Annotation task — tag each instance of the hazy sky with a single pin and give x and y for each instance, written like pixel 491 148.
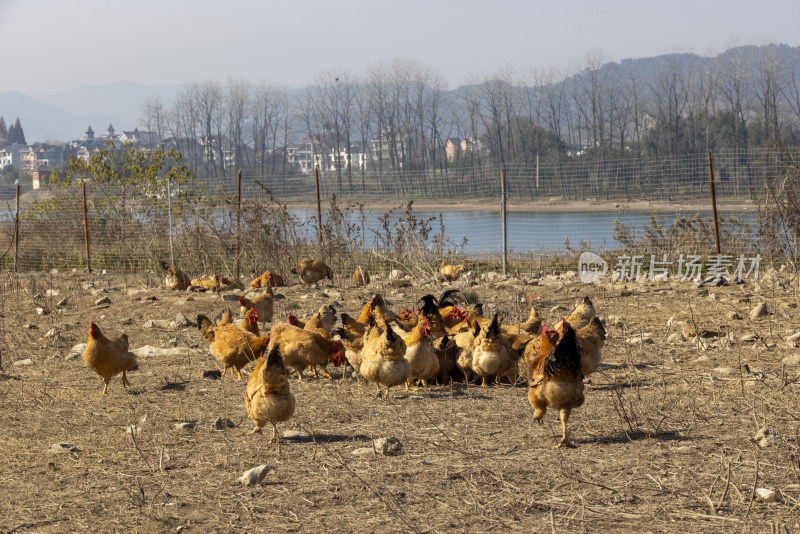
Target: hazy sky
pixel 47 46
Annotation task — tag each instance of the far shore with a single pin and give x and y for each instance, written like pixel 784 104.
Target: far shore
pixel 551 206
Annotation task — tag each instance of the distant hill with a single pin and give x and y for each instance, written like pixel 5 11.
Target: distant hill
pixel 64 116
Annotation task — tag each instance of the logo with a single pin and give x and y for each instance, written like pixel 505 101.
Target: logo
pixel 591 267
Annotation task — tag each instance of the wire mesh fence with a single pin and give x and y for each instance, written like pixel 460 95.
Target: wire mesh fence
pixel 382 219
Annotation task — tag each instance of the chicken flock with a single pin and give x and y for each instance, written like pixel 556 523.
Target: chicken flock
pixel 442 340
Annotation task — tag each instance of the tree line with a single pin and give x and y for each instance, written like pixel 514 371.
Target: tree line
pixel 747 97
pixel 11 135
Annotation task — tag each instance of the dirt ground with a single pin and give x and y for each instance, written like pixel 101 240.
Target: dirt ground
pixel 665 438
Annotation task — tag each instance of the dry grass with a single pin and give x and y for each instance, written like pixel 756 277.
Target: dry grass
pixel 664 440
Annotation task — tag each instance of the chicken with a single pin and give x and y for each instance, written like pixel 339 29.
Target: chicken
pixel 294 321
pixel 406 320
pixel 491 352
pixel 450 273
pixel 250 322
pixel 421 354
pixel 227 284
pixel 580 316
pixel 234 347
pixel 206 284
pixel 383 362
pixel 263 304
pixel 323 321
pixel 354 326
pixel 556 380
pixel 268 396
pixel 267 279
pixel 312 271
pixel 517 343
pixel 378 309
pixel 428 307
pixel 354 342
pixel 305 348
pixel 108 357
pixel 360 277
pixel 447 353
pixel 590 334
pixel 464 343
pixel 175 278
pixel 591 339
pixel 540 344
pixel 532 326
pixel 457 318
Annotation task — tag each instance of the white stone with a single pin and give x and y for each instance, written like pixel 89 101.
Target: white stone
pixel 794 359
pixel 60 448
pixel 76 351
pixel 793 337
pixel 390 446
pixel 149 351
pixel 759 310
pixel 766 437
pixel 296 435
pixel 254 476
pixel 647 337
pixel 766 495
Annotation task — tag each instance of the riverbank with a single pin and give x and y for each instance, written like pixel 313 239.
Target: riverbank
pixel 550 206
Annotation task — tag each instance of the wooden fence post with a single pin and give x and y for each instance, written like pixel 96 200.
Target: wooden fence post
pixel 86 229
pixel 713 202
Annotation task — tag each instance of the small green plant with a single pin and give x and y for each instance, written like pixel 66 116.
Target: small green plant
pixel 470 296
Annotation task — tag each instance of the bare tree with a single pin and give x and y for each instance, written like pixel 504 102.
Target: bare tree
pixel 270 117
pixel 767 89
pixel 590 93
pixel 184 124
pixel 237 103
pixel 155 120
pixel 209 103
pixel 735 91
pixel 364 126
pixel 668 102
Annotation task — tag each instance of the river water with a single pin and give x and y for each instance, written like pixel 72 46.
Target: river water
pixel 480 231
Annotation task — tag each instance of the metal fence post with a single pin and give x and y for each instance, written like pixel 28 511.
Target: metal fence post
pixel 503 219
pixel 238 219
pixel 169 215
pixel 319 207
pixel 86 229
pixel 16 234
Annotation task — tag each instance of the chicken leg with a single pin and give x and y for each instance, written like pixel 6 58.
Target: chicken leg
pixel 565 442
pixel 275 437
